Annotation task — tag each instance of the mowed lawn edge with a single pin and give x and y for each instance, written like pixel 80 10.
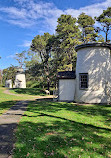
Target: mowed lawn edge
pixel 28 91
pixel 64 130
pixel 7 100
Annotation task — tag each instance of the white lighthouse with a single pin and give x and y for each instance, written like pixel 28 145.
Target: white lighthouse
pixel 20 80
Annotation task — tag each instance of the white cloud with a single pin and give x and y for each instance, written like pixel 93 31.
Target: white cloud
pixel 28 13
pixel 26 44
pixel 22 1
pixel 12 56
pixel 92 10
pixel 14 12
pixel 24 24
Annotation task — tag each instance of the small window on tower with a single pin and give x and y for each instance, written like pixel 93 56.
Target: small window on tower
pixel 83 79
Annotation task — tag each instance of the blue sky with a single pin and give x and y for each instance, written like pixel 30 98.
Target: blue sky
pixel 22 20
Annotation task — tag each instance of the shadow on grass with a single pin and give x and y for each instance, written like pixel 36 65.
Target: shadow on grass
pixel 46 133
pixel 92 110
pixel 6 105
pixel 60 139
pixel 29 91
pixel 85 124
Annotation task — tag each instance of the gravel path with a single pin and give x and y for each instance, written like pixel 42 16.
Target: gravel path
pixel 8 124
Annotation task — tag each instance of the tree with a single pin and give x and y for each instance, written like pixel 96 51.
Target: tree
pixel 86 23
pixel 1 77
pixel 100 38
pixel 56 60
pixel 105 20
pixel 21 58
pixel 9 73
pixel 39 45
pixel 1 74
pixel 68 34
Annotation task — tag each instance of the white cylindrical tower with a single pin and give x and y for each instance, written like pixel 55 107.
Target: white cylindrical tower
pixel 93 73
pixel 8 83
pixel 20 80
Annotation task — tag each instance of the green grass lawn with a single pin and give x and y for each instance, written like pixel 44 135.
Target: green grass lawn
pixel 28 91
pixel 64 130
pixel 6 100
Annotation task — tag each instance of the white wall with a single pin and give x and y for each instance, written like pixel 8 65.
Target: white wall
pixel 66 89
pixel 8 83
pixel 95 61
pixel 20 81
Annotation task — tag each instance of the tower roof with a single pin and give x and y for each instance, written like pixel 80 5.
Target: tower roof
pixel 93 45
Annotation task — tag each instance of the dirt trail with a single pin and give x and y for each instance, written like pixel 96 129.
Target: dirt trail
pixel 8 92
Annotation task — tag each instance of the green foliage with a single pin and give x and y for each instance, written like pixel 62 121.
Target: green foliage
pixel 39 45
pixel 61 46
pixel 105 20
pixel 30 83
pixel 9 73
pixel 1 78
pixel 52 53
pixel 21 57
pixel 101 39
pixel 49 54
pixel 86 22
pixel 35 84
pixel 69 35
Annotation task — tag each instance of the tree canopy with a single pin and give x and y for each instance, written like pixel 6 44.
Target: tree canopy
pixel 105 20
pixel 39 45
pixel 69 35
pixel 86 23
pixel 9 73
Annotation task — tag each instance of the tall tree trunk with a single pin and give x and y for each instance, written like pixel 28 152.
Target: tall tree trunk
pixel 106 36
pixel 48 79
pixel 107 30
pixel 48 84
